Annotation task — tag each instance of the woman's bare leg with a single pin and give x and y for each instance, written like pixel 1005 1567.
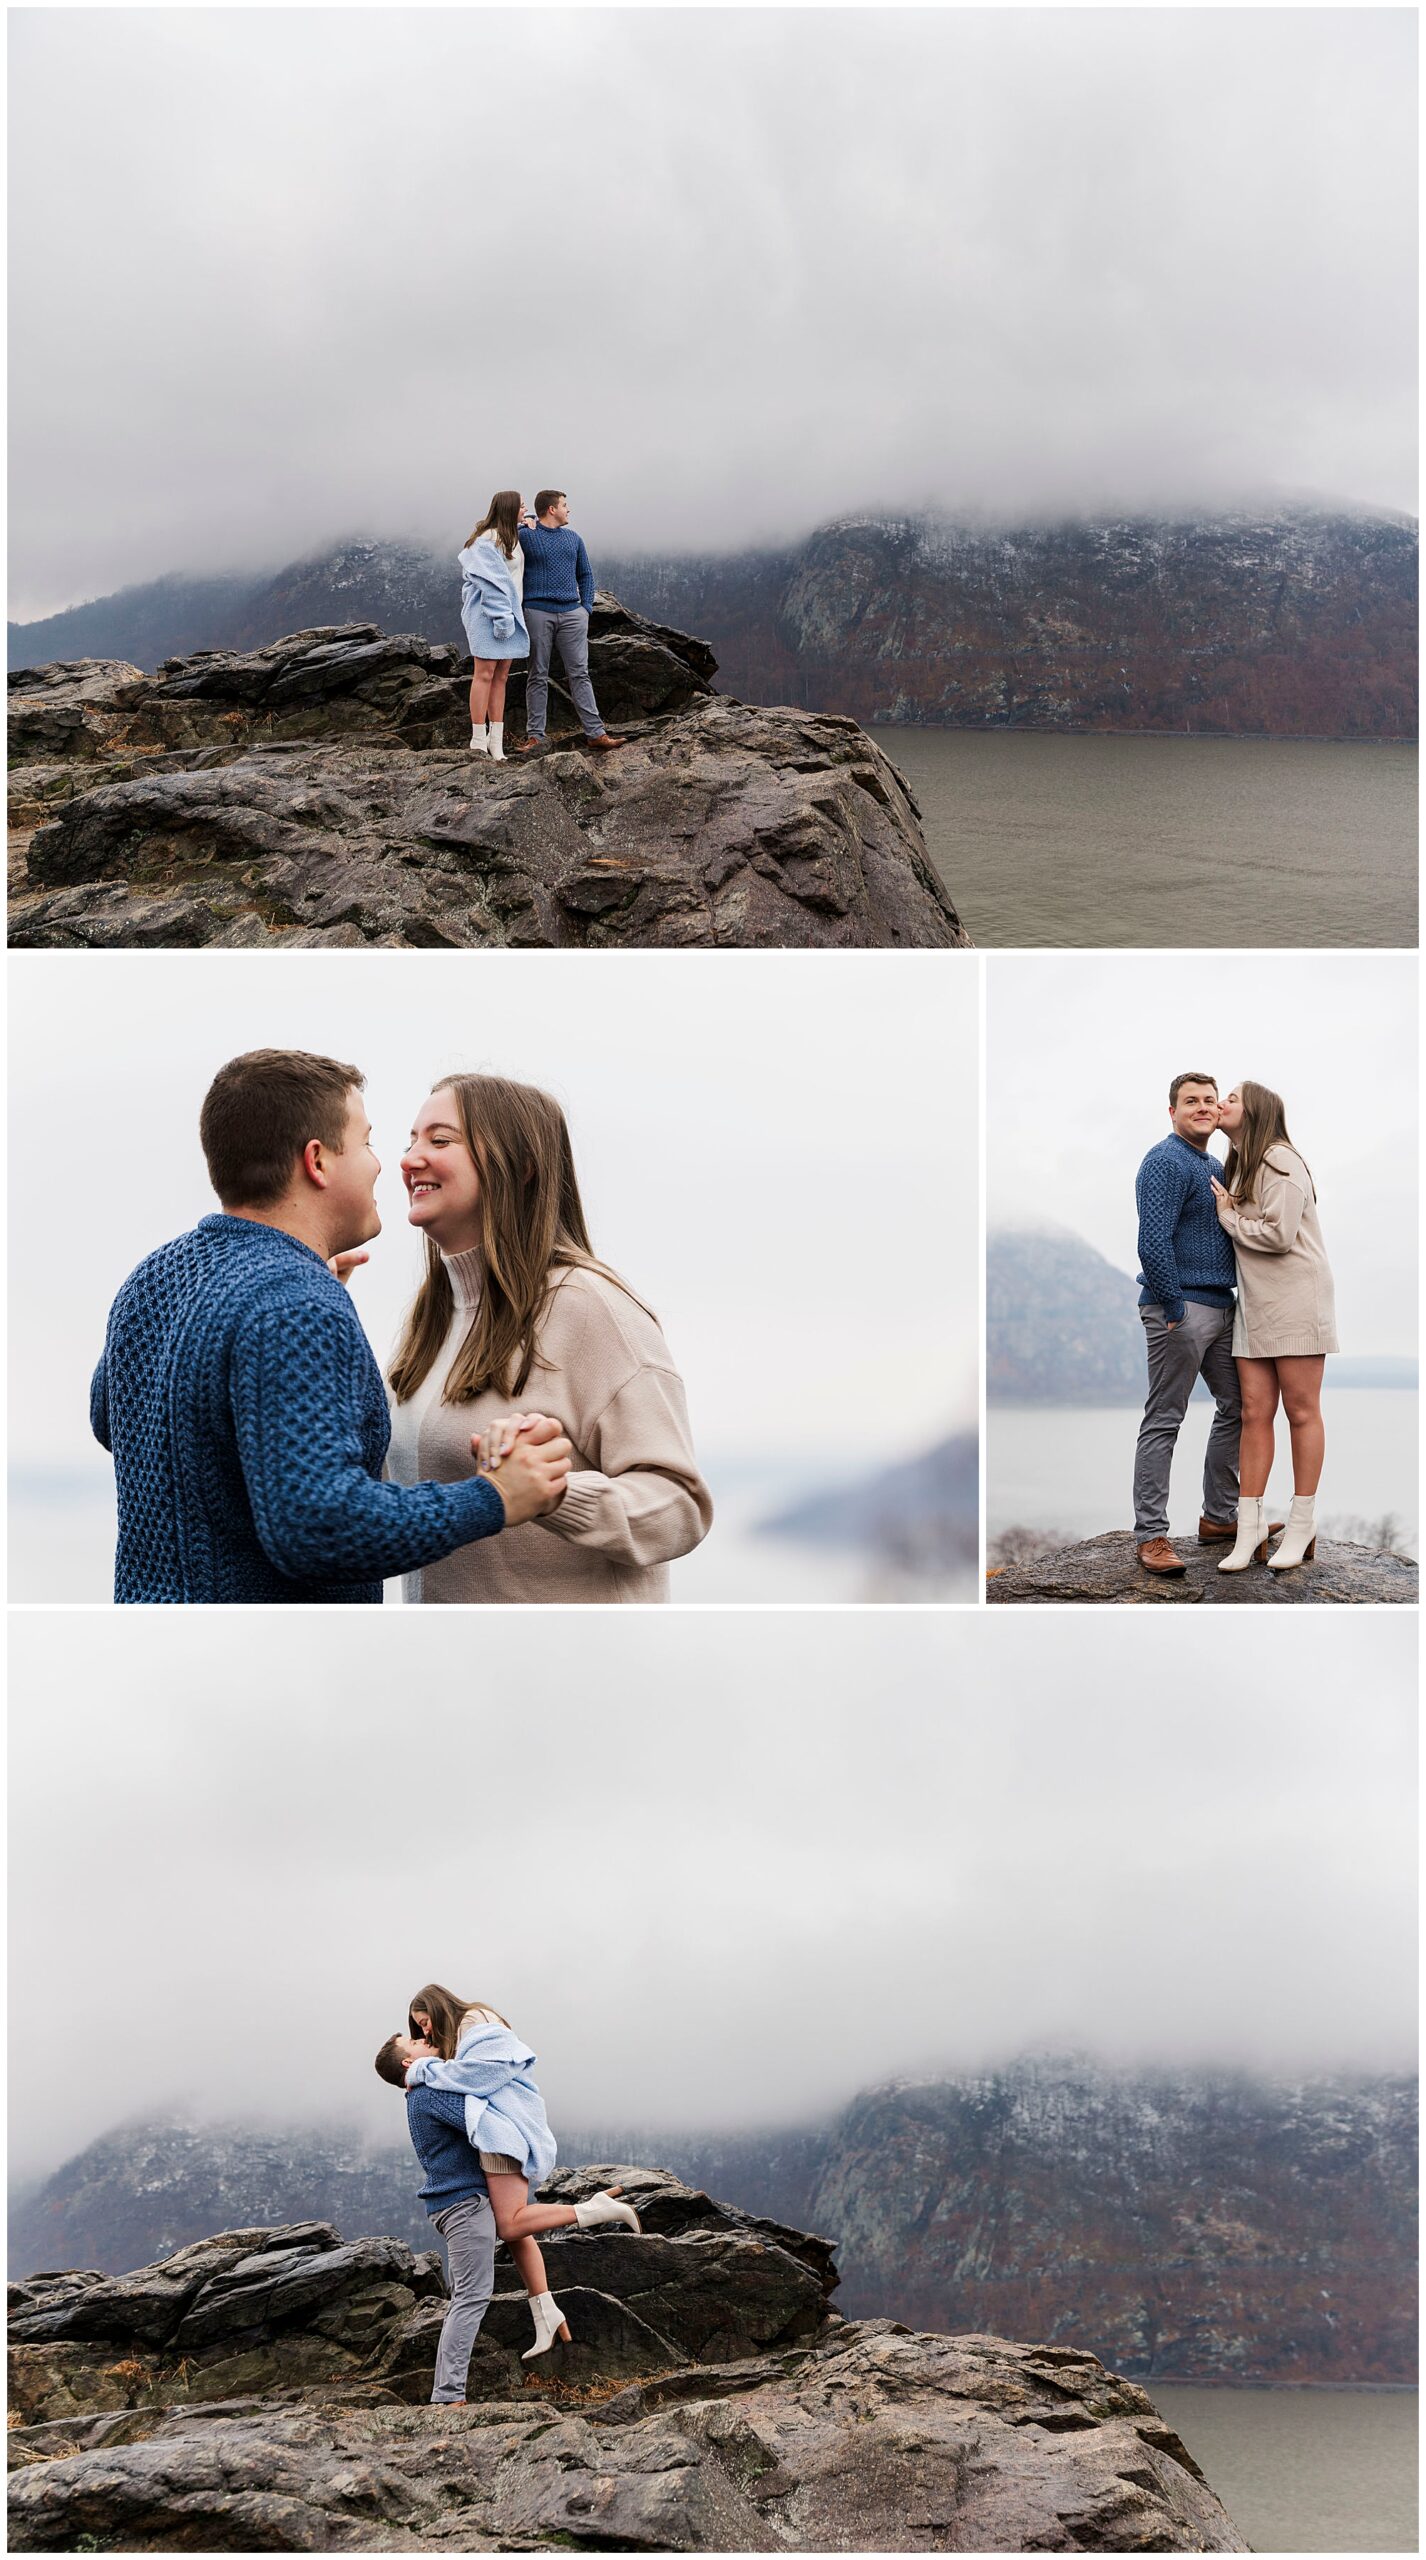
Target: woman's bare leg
pixel 1258 1387
pixel 1300 1379
pixel 517 2221
pixel 500 677
pixel 529 2265
pixel 480 683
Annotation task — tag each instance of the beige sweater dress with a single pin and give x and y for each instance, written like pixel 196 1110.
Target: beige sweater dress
pixel 635 1498
pixel 1286 1308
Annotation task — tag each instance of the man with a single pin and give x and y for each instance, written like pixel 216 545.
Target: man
pixel 1186 1306
pixel 457 2200
pixel 557 603
pixel 238 1393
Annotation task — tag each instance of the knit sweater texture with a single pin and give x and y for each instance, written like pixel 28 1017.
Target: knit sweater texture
pixel 1183 1251
pixel 1286 1302
pixel 558 577
pixel 248 1425
pixel 435 2120
pixel 635 1498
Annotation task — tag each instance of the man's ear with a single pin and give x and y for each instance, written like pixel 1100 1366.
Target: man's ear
pixel 314 1163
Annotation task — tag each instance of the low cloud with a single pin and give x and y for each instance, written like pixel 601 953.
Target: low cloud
pixel 722 1870
pixel 285 275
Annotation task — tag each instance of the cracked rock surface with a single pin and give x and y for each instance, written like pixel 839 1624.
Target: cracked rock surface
pixel 321 792
pixel 267 2390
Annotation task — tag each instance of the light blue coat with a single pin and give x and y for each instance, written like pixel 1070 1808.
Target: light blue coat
pixel 503 2108
pixel 490 608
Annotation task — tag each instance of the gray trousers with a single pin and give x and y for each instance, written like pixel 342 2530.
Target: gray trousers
pixel 1202 1342
pixel 468 2230
pixel 571 630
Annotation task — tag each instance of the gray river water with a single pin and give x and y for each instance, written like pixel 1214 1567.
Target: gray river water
pixel 1167 843
pixel 1304 2470
pixel 1069 1468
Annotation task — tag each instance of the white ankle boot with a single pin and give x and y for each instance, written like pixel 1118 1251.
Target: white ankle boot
pixel 496 734
pixel 1298 1543
pixel 478 746
pixel 550 2323
pixel 605 2207
pixel 1251 1544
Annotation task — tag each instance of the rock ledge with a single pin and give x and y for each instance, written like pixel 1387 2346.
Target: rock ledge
pixel 320 791
pixel 1107 1568
pixel 266 2390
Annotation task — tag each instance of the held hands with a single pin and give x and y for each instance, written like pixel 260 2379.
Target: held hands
pixel 530 1456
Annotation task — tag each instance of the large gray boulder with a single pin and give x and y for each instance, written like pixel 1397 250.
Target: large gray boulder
pixel 320 791
pixel 268 2390
pixel 1108 1568
pixel 873 2438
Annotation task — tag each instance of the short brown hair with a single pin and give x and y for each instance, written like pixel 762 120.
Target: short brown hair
pixel 389 2063
pixel 547 498
pixel 1194 1076
pixel 262 1110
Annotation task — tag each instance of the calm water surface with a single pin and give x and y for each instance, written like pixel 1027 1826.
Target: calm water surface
pixel 1229 843
pixel 1304 2470
pixel 1071 1470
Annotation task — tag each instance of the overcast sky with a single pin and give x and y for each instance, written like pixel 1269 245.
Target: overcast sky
pixel 721 273
pixel 777 1150
pixel 1081 1050
pixel 798 1856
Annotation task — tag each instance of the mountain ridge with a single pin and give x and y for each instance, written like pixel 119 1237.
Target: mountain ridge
pixel 1178 2222
pixel 1288 621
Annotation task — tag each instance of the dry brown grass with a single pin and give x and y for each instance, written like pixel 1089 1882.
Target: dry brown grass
pixel 589 2395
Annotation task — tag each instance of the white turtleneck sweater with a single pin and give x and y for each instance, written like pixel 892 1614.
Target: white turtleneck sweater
pixel 635 1498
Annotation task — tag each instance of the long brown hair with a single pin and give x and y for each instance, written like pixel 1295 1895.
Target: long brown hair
pixel 532 1227
pixel 502 518
pixel 445 2012
pixel 1264 1126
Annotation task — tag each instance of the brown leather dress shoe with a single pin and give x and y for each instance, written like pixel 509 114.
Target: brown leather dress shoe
pixel 1157 1556
pixel 604 741
pixel 1210 1531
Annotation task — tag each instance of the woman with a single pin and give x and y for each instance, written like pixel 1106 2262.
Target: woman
pixel 1285 1322
pixel 474 2051
pixel 515 1307
pixel 492 589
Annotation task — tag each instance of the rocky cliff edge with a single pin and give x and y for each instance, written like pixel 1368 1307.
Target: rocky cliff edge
pixel 267 2390
pixel 321 792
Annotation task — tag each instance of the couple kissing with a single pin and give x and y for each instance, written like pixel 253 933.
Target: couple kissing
pixel 1235 1287
pixel 478 2128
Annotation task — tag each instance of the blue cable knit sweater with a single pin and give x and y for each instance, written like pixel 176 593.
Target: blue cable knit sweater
pixel 435 2119
pixel 248 1424
pixel 1182 1248
pixel 558 577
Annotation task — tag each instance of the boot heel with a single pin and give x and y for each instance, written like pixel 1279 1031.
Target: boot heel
pixel 1260 1554
pixel 563 2332
pixel 1311 1552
